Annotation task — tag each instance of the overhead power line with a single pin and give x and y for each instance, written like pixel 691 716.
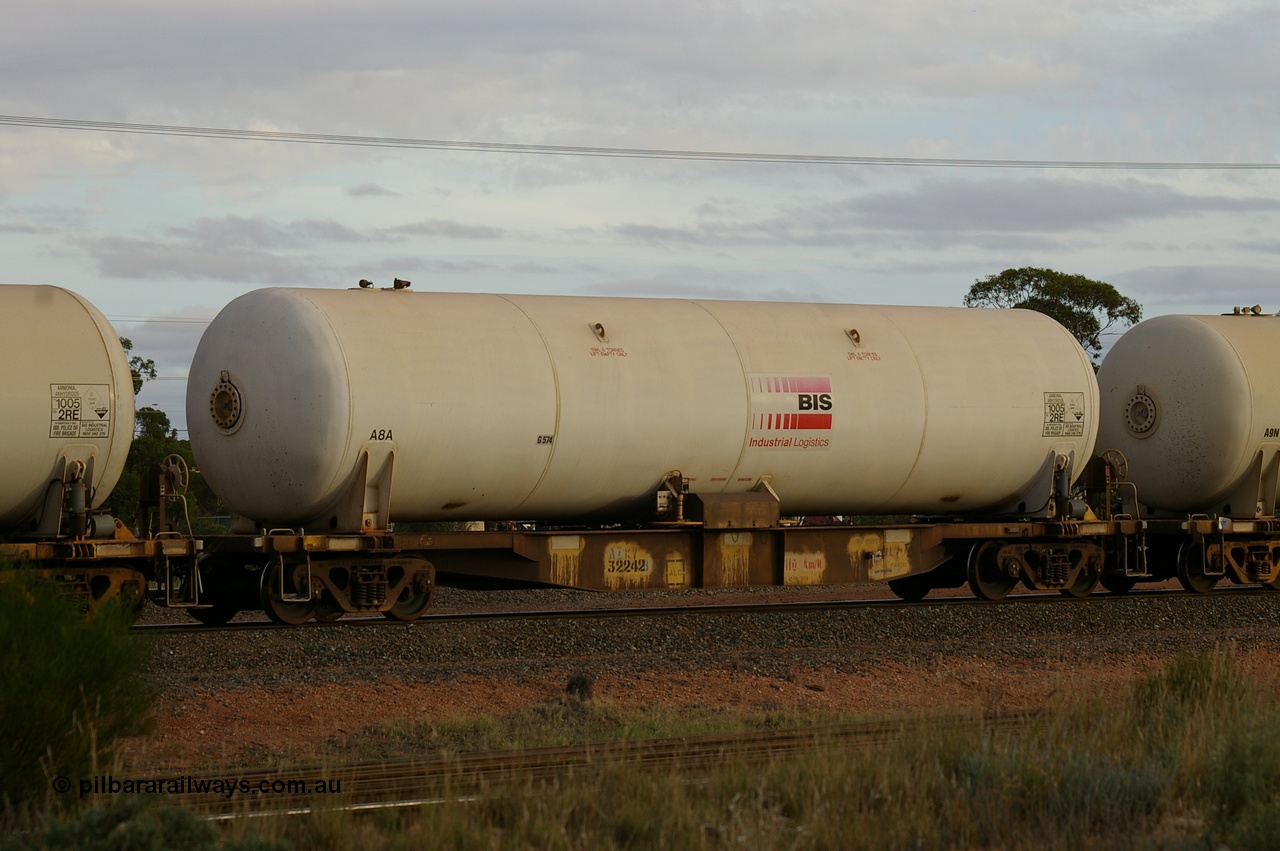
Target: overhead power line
pixel 172 320
pixel 594 151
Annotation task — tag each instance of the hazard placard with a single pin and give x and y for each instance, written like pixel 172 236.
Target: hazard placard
pixel 79 410
pixel 1064 415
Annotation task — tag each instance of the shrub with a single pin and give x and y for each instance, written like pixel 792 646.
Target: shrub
pixel 69 687
pixel 1243 806
pixel 1187 685
pixel 131 823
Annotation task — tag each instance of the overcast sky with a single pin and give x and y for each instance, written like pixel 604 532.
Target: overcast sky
pixel 160 227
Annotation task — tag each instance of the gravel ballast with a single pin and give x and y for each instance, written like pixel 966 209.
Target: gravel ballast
pixel 845 639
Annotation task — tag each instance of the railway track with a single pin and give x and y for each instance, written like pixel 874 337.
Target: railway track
pixel 247 695
pixel 398 784
pixel 602 612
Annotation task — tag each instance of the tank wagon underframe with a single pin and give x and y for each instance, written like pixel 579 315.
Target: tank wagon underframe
pixel 715 541
pixel 298 576
pixel 1046 556
pixel 94 571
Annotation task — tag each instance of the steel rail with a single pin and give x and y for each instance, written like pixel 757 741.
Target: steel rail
pixel 684 610
pixel 367 786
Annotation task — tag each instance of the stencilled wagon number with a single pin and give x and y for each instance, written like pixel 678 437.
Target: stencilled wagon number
pixel 68 408
pixel 627 565
pixel 546 439
pixel 626 560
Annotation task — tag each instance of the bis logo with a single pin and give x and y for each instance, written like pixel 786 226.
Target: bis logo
pixel 815 401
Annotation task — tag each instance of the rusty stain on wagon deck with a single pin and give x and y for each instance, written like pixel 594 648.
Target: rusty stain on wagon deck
pixel 735 558
pixel 566 559
pixel 866 553
pixel 885 553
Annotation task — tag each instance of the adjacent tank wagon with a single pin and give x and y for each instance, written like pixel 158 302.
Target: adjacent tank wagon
pixel 68 425
pixel 1191 420
pixel 68 413
pixel 1193 403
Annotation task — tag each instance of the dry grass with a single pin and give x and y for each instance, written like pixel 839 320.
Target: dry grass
pixel 1189 755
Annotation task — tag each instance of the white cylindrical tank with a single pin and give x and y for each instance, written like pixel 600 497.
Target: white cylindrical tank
pixel 540 407
pixel 1193 403
pixel 68 399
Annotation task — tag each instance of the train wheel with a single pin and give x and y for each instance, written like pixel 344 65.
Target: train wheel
pixel 1118 583
pixel 987 577
pixel 328 611
pixel 911 588
pixel 1086 581
pixel 271 591
pixel 215 615
pixel 1191 569
pixel 415 598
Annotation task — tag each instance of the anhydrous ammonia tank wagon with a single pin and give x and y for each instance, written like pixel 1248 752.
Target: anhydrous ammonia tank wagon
pixel 1193 404
pixel 340 409
pixel 68 412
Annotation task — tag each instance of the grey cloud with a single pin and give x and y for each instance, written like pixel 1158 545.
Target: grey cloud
pixel 1263 246
pixel 1221 287
pixel 696 286
pixel 1035 214
pixel 12 227
pixel 371 190
pixel 709 281
pixel 240 232
pixel 169 344
pixel 535 269
pixel 236 248
pixel 575 71
pixel 672 233
pixel 242 39
pixel 446 228
pixel 1228 56
pixel 676 287
pixel 148 259
pixel 1036 205
pixel 453 266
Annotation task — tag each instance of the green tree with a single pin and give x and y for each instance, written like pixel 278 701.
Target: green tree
pixel 154 439
pixel 142 369
pixel 1083 306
